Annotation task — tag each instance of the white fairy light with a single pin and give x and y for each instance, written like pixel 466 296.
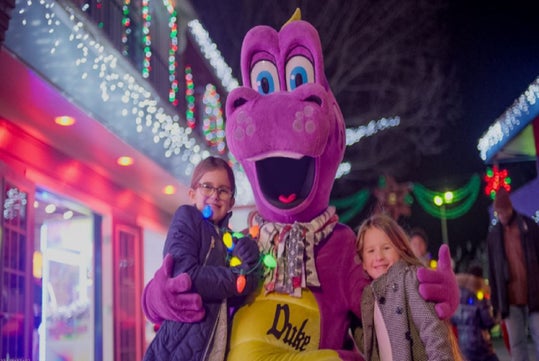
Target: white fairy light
pixel 210 51
pixel 343 169
pixel 354 135
pixel 512 120
pixel 114 83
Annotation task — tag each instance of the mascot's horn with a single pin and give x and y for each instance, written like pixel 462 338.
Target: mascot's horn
pixel 295 16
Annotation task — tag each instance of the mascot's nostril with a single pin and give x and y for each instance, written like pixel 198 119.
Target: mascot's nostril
pixel 239 102
pixel 314 99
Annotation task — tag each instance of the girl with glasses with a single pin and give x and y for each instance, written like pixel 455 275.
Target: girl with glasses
pixel 200 244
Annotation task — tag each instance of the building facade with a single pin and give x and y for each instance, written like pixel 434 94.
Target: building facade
pixel 82 230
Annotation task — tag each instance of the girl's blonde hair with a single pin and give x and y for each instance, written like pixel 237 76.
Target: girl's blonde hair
pixel 400 240
pixel 394 232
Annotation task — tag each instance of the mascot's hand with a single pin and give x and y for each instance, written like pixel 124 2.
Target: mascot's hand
pixel 246 249
pixel 166 298
pixel 440 285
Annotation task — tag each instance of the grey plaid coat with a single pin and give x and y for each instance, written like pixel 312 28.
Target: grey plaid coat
pixel 415 331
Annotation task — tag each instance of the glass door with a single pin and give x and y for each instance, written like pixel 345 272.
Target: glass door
pixel 66 248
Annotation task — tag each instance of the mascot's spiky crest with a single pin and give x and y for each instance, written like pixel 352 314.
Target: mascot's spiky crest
pixel 295 17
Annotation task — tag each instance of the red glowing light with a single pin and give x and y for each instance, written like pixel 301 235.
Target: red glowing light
pixel 496 179
pixel 240 283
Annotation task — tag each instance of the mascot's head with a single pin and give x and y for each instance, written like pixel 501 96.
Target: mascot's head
pixel 284 125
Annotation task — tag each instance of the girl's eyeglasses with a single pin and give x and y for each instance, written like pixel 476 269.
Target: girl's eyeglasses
pixel 207 190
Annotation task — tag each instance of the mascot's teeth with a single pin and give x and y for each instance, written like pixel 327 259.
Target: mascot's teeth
pixel 287 199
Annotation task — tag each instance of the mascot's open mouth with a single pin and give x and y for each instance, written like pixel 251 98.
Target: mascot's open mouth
pixel 285 182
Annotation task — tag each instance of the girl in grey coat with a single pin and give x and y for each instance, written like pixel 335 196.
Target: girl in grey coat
pixel 397 323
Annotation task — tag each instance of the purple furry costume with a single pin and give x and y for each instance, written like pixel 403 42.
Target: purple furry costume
pixel 286 129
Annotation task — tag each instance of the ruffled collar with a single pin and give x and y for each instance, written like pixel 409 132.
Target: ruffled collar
pixel 292 246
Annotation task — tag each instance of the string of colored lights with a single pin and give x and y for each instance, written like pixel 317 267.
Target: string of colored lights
pixel 146 38
pixel 126 26
pixel 172 50
pixel 99 7
pixel 190 98
pixel 213 124
pixel 137 101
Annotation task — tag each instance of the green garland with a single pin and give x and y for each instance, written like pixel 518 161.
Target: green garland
pixel 355 203
pixel 463 199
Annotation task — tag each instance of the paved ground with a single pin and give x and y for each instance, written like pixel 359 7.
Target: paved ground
pixel 502 353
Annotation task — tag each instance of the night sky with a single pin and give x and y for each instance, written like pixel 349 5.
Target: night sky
pixel 496 45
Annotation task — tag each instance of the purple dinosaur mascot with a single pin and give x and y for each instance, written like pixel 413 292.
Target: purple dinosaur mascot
pixel 286 129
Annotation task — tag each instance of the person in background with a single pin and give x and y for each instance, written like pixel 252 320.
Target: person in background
pixel 419 242
pixel 474 318
pixel 201 246
pixel 513 259
pixel 397 323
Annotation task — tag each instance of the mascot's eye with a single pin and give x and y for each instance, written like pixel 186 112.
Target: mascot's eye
pixel 264 77
pixel 299 71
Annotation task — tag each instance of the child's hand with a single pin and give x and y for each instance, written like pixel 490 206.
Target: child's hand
pixel 167 298
pixel 440 285
pixel 246 249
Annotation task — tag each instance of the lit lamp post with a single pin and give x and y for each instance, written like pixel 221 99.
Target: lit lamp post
pixel 441 202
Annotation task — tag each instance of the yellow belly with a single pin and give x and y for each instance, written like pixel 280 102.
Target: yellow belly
pixel 278 327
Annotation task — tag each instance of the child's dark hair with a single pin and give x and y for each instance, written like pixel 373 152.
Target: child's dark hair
pixel 212 163
pixel 416 231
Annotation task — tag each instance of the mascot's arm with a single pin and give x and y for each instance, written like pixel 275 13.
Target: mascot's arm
pixel 166 298
pixel 440 285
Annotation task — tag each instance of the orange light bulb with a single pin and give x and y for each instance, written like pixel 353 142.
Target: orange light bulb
pixel 240 283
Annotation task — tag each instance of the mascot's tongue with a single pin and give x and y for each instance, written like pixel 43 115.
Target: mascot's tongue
pixel 287 199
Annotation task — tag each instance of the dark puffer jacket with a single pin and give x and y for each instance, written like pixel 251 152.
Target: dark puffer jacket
pixel 198 249
pixel 474 319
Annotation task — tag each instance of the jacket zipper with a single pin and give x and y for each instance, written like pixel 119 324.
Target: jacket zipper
pixel 212 246
pixel 205 355
pixel 212 335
